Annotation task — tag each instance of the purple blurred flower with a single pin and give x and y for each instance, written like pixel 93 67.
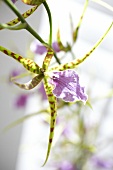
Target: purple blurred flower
pixel 67 131
pixel 21 100
pixel 42 91
pixel 65 165
pixel 40 49
pixel 105 164
pixel 56 47
pixel 14 1
pixel 66 86
pixel 37 48
pixel 14 73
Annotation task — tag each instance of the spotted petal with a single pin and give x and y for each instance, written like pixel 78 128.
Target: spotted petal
pixel 33 2
pixel 53 113
pixel 24 15
pixel 66 86
pixel 31 84
pixel 29 64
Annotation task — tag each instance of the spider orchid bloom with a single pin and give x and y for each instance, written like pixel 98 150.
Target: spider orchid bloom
pixel 40 49
pixel 66 86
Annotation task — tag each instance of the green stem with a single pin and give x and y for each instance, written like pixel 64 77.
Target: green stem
pixel 28 27
pixel 33 32
pixel 58 61
pixel 50 21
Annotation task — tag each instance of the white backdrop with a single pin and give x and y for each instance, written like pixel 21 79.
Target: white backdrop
pixel 94 25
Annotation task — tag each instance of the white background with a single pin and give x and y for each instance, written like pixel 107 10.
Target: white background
pixel 94 25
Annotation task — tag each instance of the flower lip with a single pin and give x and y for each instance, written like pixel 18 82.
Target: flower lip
pixel 66 86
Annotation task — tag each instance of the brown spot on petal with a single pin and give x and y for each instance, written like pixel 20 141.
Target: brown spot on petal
pixel 50 140
pixel 50 95
pixel 51 102
pixel 52 113
pixel 14 22
pixel 30 86
pixel 52 129
pixel 6 52
pixel 13 54
pixel 78 60
pixel 19 58
pixel 54 120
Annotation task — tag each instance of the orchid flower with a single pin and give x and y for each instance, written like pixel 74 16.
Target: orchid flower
pixel 63 82
pixel 60 81
pixel 66 86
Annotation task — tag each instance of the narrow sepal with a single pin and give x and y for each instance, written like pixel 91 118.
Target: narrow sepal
pixel 47 59
pixel 29 64
pixel 17 20
pixel 60 44
pixel 31 84
pixel 53 114
pixel 75 32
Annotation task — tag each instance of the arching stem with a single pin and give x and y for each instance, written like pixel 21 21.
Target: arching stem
pixel 50 21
